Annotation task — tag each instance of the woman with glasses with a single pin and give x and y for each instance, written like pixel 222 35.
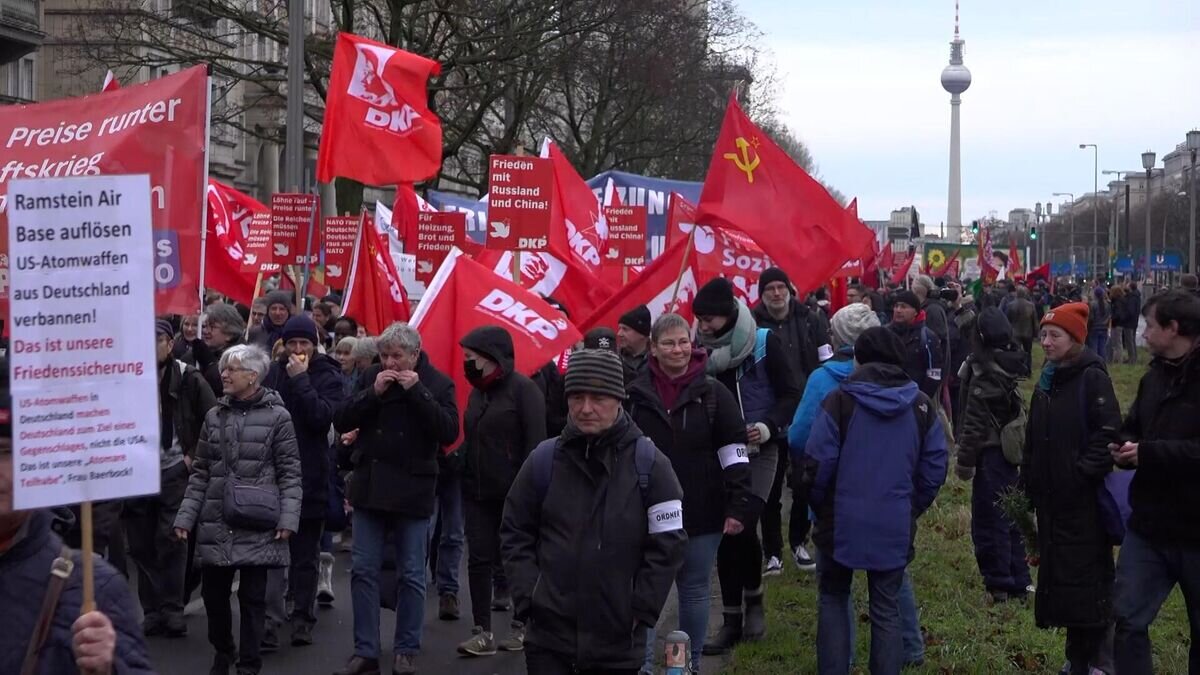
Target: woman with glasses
pixel 697 423
pixel 242 502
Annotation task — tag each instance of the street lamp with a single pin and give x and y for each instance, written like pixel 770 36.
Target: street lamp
pixel 1095 198
pixel 1123 177
pixel 1148 158
pixel 1193 145
pixel 1071 250
pixel 1037 217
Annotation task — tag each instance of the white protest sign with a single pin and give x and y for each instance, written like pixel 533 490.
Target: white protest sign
pixel 82 353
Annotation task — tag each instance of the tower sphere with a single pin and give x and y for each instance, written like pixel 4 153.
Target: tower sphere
pixel 956 79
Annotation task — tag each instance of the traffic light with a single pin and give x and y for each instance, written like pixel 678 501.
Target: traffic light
pixel 1033 232
pixel 974 227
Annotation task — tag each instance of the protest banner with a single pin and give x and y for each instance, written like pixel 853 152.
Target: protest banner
pixel 291 214
pixel 258 255
pixel 158 128
pixel 83 360
pixel 437 233
pixel 520 203
pixel 626 235
pixel 340 234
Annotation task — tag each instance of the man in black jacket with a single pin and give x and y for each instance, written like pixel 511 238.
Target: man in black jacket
pixel 404 414
pixel 311 387
pixel 1161 439
pixel 184 398
pixel 591 554
pixel 800 333
pixel 633 340
pixel 923 359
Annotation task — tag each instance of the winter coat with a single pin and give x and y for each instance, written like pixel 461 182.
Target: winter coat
pixel 399 437
pixel 550 382
pixel 1099 314
pixel 922 354
pixel 585 572
pixel 868 494
pixel 820 384
pixel 632 366
pixel 24 577
pixel 1066 459
pixel 709 457
pixel 778 378
pixel 311 398
pixel 1164 421
pixel 1022 314
pixel 800 335
pixel 1126 311
pixel 987 402
pixel 962 325
pixel 259 438
pixel 503 422
pixel 190 399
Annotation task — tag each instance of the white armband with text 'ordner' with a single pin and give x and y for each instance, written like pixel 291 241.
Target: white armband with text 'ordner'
pixel 734 453
pixel 665 516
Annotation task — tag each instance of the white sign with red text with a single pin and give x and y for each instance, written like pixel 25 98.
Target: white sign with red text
pixel 82 353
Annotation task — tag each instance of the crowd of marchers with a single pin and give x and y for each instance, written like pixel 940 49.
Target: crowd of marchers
pixel 662 450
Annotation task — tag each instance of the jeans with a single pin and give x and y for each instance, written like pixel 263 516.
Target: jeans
pixel 446 552
pixel 910 621
pixel 305 549
pixel 999 547
pixel 1129 339
pixel 1146 573
pixel 835 643
pixel 483 554
pixel 693 584
pixel 545 662
pixel 217 583
pixel 160 558
pixel 1097 341
pixel 411 538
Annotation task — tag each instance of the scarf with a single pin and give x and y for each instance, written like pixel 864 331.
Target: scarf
pixel 729 350
pixel 669 388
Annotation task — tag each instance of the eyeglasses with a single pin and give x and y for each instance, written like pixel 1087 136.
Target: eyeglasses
pixel 671 345
pixel 235 369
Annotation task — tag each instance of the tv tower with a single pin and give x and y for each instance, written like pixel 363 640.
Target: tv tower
pixel 955 79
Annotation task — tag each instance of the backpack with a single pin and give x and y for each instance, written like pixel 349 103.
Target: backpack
pixel 1012 434
pixel 542 459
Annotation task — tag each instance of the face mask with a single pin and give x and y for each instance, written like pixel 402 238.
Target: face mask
pixel 473 372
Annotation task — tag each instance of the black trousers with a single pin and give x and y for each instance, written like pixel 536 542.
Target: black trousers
pixel 160 558
pixel 772 525
pixel 305 549
pixel 739 566
pixel 217 583
pixel 482 526
pixel 543 662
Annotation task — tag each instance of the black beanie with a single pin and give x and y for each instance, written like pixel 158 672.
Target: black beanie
pixel 638 319
pixel 771 275
pixel 879 345
pixel 164 327
pixel 300 327
pixel 715 299
pixel 600 338
pixel 907 297
pixel 284 298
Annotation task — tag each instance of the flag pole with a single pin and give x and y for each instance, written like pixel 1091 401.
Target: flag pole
pixel 312 222
pixel 257 287
pixel 362 219
pixel 687 253
pixel 86 549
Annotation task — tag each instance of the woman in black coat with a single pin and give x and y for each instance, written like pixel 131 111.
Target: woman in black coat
pixel 1073 416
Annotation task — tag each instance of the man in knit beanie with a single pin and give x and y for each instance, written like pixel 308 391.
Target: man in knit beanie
pixel 550 534
pixel 633 339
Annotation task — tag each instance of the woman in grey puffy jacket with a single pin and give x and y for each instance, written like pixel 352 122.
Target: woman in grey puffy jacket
pixel 248 435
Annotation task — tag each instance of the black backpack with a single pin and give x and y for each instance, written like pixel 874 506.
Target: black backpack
pixel 542 461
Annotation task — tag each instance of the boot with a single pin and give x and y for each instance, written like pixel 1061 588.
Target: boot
pixel 360 665
pixel 325 580
pixel 222 662
pixel 756 619
pixel 729 635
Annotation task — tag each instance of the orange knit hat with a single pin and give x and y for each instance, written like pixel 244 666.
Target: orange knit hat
pixel 1071 317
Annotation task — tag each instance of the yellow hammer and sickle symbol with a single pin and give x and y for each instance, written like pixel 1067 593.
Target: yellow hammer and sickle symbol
pixel 743 161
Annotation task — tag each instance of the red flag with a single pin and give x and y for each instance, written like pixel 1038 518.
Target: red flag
pixel 900 268
pixel 1042 273
pixel 839 293
pixel 753 186
pixel 465 295
pixel 378 127
pixel 655 288
pixel 887 257
pixel 719 252
pixel 1015 268
pixel 988 274
pixel 229 216
pixel 548 275
pixel 110 82
pixel 583 232
pixel 374 293
pixel 405 209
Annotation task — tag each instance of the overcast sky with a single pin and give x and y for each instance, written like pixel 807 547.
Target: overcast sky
pixel 860 86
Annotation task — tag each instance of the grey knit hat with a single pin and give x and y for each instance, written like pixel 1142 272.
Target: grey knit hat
pixel 595 371
pixel 850 321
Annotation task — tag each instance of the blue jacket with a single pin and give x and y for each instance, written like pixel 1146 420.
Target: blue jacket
pixel 821 382
pixel 869 488
pixel 24 576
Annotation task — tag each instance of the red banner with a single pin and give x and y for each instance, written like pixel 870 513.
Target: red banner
pixel 465 295
pixel 291 214
pixel 158 128
pixel 660 287
pixel 340 233
pixel 437 233
pixel 720 252
pixel 520 199
pixel 257 252
pixel 626 235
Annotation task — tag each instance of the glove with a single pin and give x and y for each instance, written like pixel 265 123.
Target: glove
pixel 964 473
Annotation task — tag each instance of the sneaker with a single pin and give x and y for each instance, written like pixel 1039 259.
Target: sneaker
pixel 774 567
pixel 404 664
pixel 482 643
pixel 448 607
pixel 803 560
pixel 359 665
pixel 174 625
pixel 325 580
pixel 302 635
pixel 222 662
pixel 515 641
pixel 154 625
pixel 270 641
pixel 501 601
